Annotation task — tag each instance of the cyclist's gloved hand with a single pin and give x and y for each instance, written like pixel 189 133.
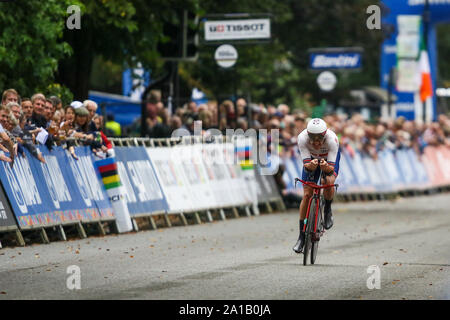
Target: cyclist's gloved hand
pixel 312 165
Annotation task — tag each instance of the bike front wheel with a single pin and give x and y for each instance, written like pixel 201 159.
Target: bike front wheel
pixel 315 242
pixel 309 232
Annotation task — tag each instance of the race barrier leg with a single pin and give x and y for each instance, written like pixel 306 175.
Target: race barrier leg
pixel 197 218
pixel 222 215
pixel 135 225
pixel 152 223
pixel 44 236
pixel 61 233
pixel 81 231
pixel 167 219
pixel 235 212
pixel 209 216
pixel 183 219
pixel 19 238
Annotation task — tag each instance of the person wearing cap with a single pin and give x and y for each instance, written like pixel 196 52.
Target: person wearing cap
pixel 319 149
pixel 89 138
pixel 76 104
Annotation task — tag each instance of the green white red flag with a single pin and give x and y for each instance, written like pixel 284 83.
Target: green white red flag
pixel 426 89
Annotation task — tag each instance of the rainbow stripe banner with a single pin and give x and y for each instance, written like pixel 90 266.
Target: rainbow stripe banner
pixel 107 168
pixel 108 172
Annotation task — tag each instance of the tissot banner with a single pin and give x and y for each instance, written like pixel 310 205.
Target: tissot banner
pixel 237 29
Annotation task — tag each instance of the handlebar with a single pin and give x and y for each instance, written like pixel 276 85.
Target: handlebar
pixel 313 185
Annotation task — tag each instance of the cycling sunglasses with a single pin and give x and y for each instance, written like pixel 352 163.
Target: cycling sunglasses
pixel 316 136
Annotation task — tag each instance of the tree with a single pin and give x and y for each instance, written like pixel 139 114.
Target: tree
pixel 278 72
pixel 31 46
pixel 120 31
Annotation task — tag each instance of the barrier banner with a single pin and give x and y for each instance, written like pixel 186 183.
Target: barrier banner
pixel 55 192
pixel 375 173
pixel 289 175
pixel 241 192
pixel 246 153
pixel 346 178
pixel 217 174
pixel 443 158
pixel 191 161
pixel 267 188
pixel 406 169
pixel 420 174
pixel 89 198
pixel 292 172
pixel 7 221
pixel 430 158
pixel 172 180
pixel 144 194
pixel 107 169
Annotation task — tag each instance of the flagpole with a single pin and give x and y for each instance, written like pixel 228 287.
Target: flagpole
pixel 426 20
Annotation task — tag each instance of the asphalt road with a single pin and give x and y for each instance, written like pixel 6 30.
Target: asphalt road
pixel 250 258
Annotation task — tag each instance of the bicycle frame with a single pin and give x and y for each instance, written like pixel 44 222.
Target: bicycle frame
pixel 315 197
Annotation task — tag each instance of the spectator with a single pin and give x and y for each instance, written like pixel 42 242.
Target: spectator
pixel 10 95
pixel 92 107
pixel 27 107
pixel 57 103
pixel 37 119
pixel 112 127
pixel 15 108
pixel 25 138
pixel 48 112
pixel 241 106
pixel 6 143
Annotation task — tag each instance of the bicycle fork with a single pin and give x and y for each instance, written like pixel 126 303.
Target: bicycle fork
pixel 308 211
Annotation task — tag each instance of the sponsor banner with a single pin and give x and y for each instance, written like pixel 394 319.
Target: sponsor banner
pixel 235 175
pixel 54 192
pixel 267 188
pixel 91 200
pixel 346 178
pixel 436 161
pixel 218 175
pixel 242 193
pixel 443 158
pixel 143 191
pixel 420 173
pixel 291 172
pixel 7 221
pixel 430 160
pixel 237 29
pixel 391 166
pixel 172 179
pixel 405 168
pixel 245 149
pixel 376 174
pixel 335 60
pixel 192 165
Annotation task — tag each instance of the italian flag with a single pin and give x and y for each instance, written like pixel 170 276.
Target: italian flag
pixel 426 90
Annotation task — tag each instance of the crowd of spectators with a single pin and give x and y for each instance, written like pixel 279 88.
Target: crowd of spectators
pixel 354 132
pixel 27 122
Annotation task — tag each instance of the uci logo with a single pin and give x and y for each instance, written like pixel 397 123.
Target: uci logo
pixel 116 197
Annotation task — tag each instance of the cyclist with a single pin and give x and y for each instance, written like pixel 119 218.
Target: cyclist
pixel 319 148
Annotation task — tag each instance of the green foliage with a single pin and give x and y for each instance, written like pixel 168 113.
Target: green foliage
pixel 30 43
pixel 443 48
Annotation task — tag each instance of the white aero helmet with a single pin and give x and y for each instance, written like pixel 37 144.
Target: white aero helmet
pixel 317 128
